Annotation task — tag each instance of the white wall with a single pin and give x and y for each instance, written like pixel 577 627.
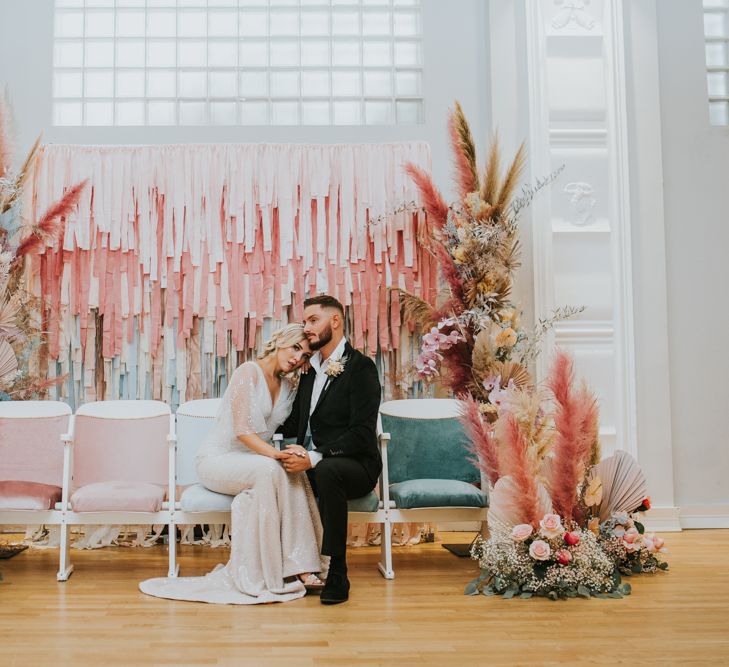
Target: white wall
pixel 696 210
pixel 455 49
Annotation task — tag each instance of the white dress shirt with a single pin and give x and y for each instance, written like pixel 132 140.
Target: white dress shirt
pixel 320 382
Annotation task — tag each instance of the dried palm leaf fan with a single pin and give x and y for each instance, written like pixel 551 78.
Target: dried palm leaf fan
pixel 623 484
pixel 8 360
pixel 510 370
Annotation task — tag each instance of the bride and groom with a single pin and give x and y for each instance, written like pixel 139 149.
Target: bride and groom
pixel 289 515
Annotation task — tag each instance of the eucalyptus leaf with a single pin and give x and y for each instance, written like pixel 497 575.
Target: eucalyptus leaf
pixel 637 568
pixel 526 595
pixel 615 594
pixel 640 527
pixel 625 589
pixel 488 591
pixel 472 588
pixel 509 593
pixel 583 591
pixel 552 595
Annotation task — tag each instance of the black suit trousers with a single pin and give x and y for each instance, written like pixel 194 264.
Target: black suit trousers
pixel 334 481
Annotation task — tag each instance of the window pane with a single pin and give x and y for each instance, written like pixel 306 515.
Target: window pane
pixel 69 24
pixel 223 54
pixel 376 54
pixel 192 53
pixel 191 84
pixel 347 113
pixel 99 84
pixel 345 22
pixel 314 23
pixel 378 84
pixel 284 23
pixel 284 84
pixel 130 53
pixel 253 24
pixel 254 113
pixel 284 53
pixel 406 24
pixel 192 113
pixel 253 54
pixel 345 52
pixel 160 24
pixel 715 24
pixel 99 113
pixel 130 24
pixel 130 84
pixel 161 113
pixel 376 23
pixel 254 84
pixel 315 83
pixel 223 113
pixel 315 53
pixel 409 112
pixel 99 54
pixel 407 82
pixel 719 113
pixel 346 84
pixel 285 113
pixel 162 83
pixel 407 53
pixel 161 54
pixel 67 113
pixel 223 24
pixel 315 113
pixel 378 113
pixel 222 84
pixel 130 113
pixel 192 23
pixel 67 84
pixel 716 55
pixel 100 24
pixel 717 84
pixel 68 54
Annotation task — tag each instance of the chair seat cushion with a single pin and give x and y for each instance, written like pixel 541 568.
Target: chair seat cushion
pixel 368 503
pixel 118 496
pixel 197 498
pixel 19 495
pixel 436 493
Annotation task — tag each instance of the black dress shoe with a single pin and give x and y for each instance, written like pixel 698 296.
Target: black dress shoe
pixel 336 590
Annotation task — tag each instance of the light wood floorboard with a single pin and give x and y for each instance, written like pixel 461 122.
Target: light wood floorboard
pixel 421 618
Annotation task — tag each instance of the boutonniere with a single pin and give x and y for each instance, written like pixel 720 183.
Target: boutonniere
pixel 335 367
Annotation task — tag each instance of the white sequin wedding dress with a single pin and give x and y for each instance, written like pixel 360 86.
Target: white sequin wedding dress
pixel 275 527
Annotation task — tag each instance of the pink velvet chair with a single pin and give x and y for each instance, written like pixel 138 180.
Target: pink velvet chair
pixel 31 461
pixel 119 468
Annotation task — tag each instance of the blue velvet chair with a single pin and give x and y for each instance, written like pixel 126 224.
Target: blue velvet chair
pixel 430 472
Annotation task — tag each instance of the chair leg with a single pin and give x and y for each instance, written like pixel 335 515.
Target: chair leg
pixel 173 568
pixel 385 564
pixel 64 566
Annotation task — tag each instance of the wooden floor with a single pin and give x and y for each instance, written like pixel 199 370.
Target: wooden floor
pixel 421 618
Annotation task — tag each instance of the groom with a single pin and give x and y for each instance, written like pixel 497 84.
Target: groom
pixel 334 418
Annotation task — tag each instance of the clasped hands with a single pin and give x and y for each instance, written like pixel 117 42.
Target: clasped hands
pixel 295 459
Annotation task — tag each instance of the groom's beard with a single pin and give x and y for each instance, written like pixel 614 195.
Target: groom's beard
pixel 324 337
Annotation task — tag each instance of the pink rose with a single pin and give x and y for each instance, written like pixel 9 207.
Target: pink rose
pixel 658 542
pixel 631 547
pixel 521 532
pixel 649 545
pixel 631 535
pixel 572 538
pixel 539 550
pixel 563 556
pixel 551 526
pixel 618 531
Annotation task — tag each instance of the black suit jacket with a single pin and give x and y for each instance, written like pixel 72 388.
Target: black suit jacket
pixel 344 422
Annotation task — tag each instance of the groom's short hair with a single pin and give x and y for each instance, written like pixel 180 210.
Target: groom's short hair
pixel 325 301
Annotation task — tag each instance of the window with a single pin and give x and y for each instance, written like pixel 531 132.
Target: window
pixel 716 32
pixel 237 62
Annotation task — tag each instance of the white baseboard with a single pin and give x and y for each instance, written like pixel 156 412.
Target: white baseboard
pixel 663 520
pixel 705 516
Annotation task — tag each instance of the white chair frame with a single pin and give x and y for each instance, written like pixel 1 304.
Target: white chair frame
pixel 71 518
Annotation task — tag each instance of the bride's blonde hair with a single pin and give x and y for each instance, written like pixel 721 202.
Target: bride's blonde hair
pixel 285 337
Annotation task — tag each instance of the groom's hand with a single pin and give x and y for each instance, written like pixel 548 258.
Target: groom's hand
pixel 297 460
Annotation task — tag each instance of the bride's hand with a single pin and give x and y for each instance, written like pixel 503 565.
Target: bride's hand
pixel 296 450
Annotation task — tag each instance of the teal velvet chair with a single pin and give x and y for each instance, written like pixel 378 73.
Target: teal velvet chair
pixel 430 472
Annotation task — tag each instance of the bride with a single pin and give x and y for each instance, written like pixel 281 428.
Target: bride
pixel 275 527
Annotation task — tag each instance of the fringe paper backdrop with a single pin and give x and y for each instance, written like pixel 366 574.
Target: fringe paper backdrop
pixel 181 258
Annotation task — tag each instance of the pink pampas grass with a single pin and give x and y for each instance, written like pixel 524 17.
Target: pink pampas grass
pixel 575 420
pixel 50 226
pixel 464 152
pixel 433 201
pixel 482 444
pixel 514 461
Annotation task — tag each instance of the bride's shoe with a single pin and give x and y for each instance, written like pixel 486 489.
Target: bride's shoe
pixel 311 582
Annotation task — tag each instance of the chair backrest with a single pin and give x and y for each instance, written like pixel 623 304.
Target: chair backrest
pixel 30 441
pixel 194 421
pixel 427 441
pixel 121 441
